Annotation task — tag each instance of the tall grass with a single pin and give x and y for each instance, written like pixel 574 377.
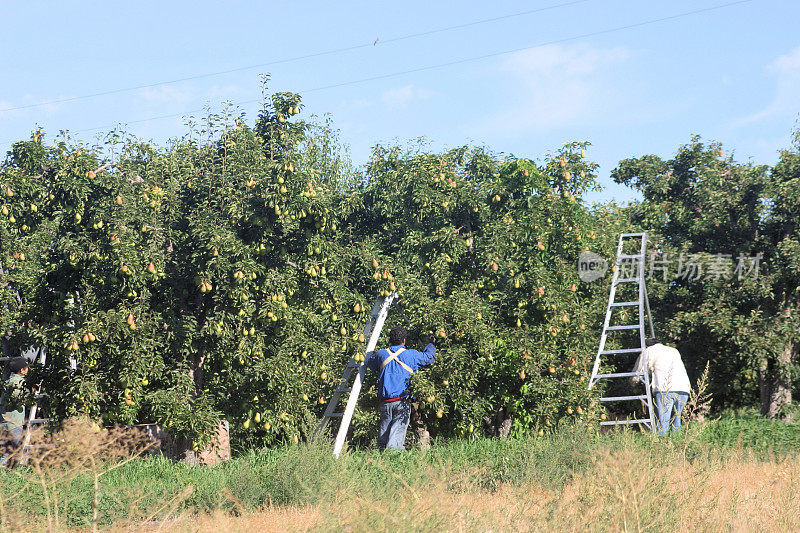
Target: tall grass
pixel 716 473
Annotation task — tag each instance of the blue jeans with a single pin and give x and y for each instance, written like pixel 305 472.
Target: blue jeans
pixel 668 407
pixel 13 440
pixel 395 417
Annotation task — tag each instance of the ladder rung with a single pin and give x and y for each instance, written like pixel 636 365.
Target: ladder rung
pixel 377 317
pixel 620 375
pixel 623 304
pixel 627 280
pixel 629 235
pixel 625 257
pixel 623 398
pixel 618 328
pixel 627 421
pixel 624 350
pixel 38 421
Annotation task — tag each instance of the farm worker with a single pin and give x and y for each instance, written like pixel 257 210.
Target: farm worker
pixel 394 366
pixel 12 409
pixel 669 381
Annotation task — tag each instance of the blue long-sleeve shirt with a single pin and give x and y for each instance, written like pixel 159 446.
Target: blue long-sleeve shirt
pixel 393 378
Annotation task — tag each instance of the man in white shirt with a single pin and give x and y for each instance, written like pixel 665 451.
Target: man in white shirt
pixel 670 383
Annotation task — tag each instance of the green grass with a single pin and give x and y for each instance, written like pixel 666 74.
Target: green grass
pixel 309 474
pixel 753 432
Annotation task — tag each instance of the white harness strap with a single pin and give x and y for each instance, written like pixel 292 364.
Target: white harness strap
pixel 393 357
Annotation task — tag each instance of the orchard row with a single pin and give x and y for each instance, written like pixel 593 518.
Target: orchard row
pixel 230 275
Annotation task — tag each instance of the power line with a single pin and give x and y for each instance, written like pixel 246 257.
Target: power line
pixel 495 19
pixel 495 54
pixel 452 63
pixel 293 59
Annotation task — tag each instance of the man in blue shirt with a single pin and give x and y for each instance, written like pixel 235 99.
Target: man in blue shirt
pixel 395 366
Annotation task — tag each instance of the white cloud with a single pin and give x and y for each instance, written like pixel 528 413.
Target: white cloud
pixel 556 85
pixel 563 61
pixel 225 92
pixel 165 94
pixel 400 96
pixel 786 70
pixel 787 63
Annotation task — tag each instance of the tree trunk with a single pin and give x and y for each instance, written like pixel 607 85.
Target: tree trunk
pixel 196 370
pixel 774 377
pixel 422 437
pixel 498 425
pixel 184 446
pixel 764 385
pixel 775 384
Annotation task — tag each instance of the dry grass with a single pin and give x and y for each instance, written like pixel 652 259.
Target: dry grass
pixel 271 519
pixel 627 482
pixel 628 492
pixel 52 461
pixel 624 491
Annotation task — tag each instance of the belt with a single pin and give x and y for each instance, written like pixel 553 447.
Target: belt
pixel 399 398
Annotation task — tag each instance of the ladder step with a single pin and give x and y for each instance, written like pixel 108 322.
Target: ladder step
pixel 618 328
pixel 631 235
pixel 627 280
pixel 625 350
pixel 626 257
pixel 631 421
pixel 623 304
pixel 34 421
pixel 372 328
pixel 620 375
pixel 623 398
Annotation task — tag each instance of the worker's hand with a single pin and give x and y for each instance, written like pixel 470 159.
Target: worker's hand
pixel 430 339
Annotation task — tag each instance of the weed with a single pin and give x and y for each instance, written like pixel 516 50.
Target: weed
pixel 710 474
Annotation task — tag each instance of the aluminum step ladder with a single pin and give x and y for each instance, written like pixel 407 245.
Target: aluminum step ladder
pixel 34 417
pixel 372 332
pixel 629 270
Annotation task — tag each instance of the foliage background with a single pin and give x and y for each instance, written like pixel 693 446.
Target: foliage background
pixel 229 273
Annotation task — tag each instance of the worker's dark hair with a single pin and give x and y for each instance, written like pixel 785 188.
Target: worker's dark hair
pixel 650 342
pixel 397 336
pixel 17 364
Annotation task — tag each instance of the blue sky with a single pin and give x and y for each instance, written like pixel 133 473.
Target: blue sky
pixel 730 74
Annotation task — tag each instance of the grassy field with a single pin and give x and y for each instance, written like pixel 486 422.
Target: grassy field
pixel 737 473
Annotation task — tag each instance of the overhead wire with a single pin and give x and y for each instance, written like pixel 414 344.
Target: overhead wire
pixel 292 59
pixel 449 63
pixel 524 48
